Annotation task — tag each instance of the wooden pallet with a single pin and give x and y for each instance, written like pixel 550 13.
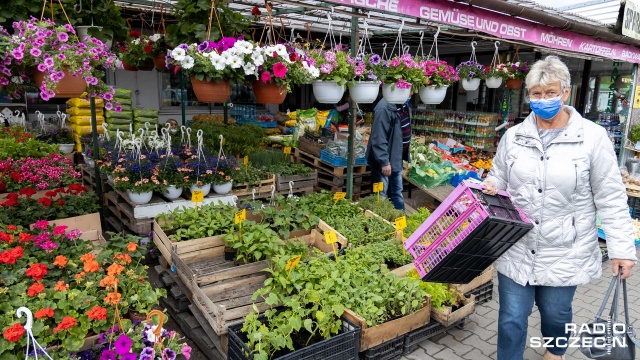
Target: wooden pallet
pixel 329 178
pixel 88 177
pixel 299 181
pixel 361 189
pixel 302 157
pixel 122 215
pixel 263 188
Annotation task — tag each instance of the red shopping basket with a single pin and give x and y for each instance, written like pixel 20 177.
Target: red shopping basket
pixel 466 234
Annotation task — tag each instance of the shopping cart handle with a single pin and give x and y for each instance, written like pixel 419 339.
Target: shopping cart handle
pixel 475 184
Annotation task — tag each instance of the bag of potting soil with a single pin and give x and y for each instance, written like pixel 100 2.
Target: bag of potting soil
pixel 78 111
pixel 306 120
pixel 145 113
pixel 127 115
pixel 150 120
pixel 126 108
pixel 118 121
pixel 121 127
pixel 84 103
pixel 85 120
pixel 85 129
pixel 123 94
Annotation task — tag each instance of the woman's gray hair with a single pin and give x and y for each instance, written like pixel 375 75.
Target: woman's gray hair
pixel 547 71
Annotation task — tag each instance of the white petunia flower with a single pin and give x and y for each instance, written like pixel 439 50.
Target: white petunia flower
pixel 226 56
pixel 257 59
pixel 136 41
pixel 187 62
pixel 218 63
pixel 281 50
pixel 249 69
pixel 156 37
pixel 244 47
pixel 178 54
pixel 235 62
pixel 314 72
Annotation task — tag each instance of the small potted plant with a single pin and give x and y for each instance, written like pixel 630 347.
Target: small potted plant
pixel 399 77
pixel 470 72
pixel 223 177
pixel 136 177
pixel 200 175
pixel 516 73
pixel 365 86
pixel 62 137
pixel 438 77
pixel 159 48
pixel 170 172
pixel 335 72
pixel 495 75
pixel 136 52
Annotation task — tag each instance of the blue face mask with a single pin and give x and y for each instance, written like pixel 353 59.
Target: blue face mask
pixel 546 109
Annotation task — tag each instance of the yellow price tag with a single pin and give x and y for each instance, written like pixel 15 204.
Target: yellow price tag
pixel 293 262
pixel 240 216
pixel 378 187
pixel 197 196
pixel 339 196
pixel 401 223
pixel 330 237
pixel 246 160
pixel 287 150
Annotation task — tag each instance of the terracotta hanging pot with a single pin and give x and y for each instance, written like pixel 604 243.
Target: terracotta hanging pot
pixel 68 87
pixel 148 66
pixel 129 67
pixel 514 84
pixel 211 91
pixel 160 63
pixel 269 93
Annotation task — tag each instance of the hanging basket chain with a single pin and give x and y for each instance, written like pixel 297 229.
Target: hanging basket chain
pixel 44 7
pixel 435 45
pixel 496 55
pixel 214 11
pixel 398 41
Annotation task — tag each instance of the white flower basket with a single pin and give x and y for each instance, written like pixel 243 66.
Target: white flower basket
pixel 206 188
pixel 394 95
pixel 364 92
pixel 172 192
pixel 327 92
pixel 471 85
pixel 494 82
pixel 223 188
pixel 140 198
pixel 433 95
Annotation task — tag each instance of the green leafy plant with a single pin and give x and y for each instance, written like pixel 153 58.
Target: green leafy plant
pixel 256 242
pixel 361 230
pixel 634 134
pixel 250 175
pixel 383 208
pixel 16 149
pixel 322 205
pixel 236 142
pixel 286 217
pixel 209 220
pixel 441 295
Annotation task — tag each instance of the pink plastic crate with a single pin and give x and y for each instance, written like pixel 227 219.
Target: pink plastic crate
pixel 462 212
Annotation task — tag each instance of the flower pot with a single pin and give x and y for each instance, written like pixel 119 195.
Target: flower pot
pixel 223 188
pixel 229 253
pixel 111 178
pixel 83 31
pixel 172 192
pixel 66 149
pixel 395 95
pixel 433 95
pixel 211 91
pixel 129 67
pixel 471 85
pixel 148 66
pixel 494 82
pixel 140 198
pixel 364 92
pixel 160 62
pixel 68 87
pixel 269 93
pixel 327 92
pixel 514 84
pixel 206 188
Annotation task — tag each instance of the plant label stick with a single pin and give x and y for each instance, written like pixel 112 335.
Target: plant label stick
pixel 246 165
pixel 287 151
pixel 339 196
pixel 197 196
pixel 377 188
pixel 292 263
pixel 239 217
pixel 331 239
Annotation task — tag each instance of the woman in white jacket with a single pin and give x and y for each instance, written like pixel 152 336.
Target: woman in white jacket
pixel 560 169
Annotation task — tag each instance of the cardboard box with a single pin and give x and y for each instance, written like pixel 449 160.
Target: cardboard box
pixel 89 224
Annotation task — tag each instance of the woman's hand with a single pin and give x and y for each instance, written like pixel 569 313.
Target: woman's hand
pixel 490 188
pixel 626 267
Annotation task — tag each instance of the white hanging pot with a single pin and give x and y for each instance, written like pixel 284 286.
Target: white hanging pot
pixel 364 92
pixel 206 188
pixel 494 82
pixel 172 192
pixel 223 188
pixel 140 198
pixel 66 149
pixel 327 92
pixel 471 85
pixel 433 95
pixel 394 95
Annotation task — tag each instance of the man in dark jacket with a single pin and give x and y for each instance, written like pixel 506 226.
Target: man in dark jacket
pixel 388 147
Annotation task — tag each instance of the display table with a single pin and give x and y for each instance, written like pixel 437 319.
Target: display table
pixel 435 195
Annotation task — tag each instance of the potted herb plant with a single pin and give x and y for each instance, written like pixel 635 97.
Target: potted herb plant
pixel 400 76
pixel 471 73
pixel 438 77
pixel 137 52
pixel 335 72
pixel 365 86
pixel 516 73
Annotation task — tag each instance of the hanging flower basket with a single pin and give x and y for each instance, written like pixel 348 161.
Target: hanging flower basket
pixel 129 67
pixel 395 95
pixel 148 66
pixel 159 61
pixel 514 84
pixel 432 95
pixel 211 91
pixel 471 85
pixel 494 82
pixel 327 92
pixel 68 87
pixel 269 93
pixel 206 188
pixel 173 192
pixel 364 92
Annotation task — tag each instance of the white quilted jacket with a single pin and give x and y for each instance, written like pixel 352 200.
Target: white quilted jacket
pixel 560 191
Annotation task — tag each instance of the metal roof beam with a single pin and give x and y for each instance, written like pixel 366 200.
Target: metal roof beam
pixel 582 4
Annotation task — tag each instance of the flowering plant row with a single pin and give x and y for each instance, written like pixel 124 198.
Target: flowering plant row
pixel 51 172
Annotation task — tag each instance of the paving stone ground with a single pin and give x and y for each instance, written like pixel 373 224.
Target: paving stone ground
pixel 478 339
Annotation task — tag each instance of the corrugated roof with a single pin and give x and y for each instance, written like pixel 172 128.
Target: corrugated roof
pixel 601 11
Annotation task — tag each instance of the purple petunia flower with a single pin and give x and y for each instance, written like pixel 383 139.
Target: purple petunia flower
pixel 108 97
pixel 108 355
pixel 6 72
pixel 203 46
pixel 35 52
pixel 118 108
pixel 123 344
pixel 374 59
pixel 62 57
pixel 91 80
pixel 129 357
pixel 183 46
pixel 44 96
pixel 17 54
pixel 168 354
pixel 62 36
pixel 39 42
pixel 108 106
pixel 148 351
pixel 74 234
pixel 48 62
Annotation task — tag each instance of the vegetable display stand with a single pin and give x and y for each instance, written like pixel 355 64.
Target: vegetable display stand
pixel 482 294
pixel 343 346
pixel 465 235
pixel 432 329
pixel 386 351
pixel 485 277
pixel 299 181
pixel 311 147
pixel 246 189
pixel 447 316
pixel 390 330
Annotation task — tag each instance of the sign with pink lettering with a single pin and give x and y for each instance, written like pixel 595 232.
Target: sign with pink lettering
pixel 502 26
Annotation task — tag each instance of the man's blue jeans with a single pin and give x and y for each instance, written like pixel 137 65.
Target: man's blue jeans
pixel 516 304
pixel 392 187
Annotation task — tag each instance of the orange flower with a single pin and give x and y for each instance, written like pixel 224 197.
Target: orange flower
pixel 35 289
pixel 80 276
pixel 109 281
pixel 131 247
pixel 97 313
pixel 91 266
pixel 44 313
pixel 123 257
pixel 113 298
pixel 14 332
pixel 24 237
pixel 115 269
pixel 87 257
pixel 66 323
pixel 61 261
pixel 61 286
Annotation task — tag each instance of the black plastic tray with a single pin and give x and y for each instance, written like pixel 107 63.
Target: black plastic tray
pixel 413 338
pixel 389 350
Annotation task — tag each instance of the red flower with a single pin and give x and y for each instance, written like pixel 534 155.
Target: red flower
pixel 3 186
pixel 275 54
pixel 45 201
pixel 35 289
pixel 28 192
pixel 16 177
pixel 60 202
pixel 37 271
pixel 293 57
pixel 6 237
pixel 10 202
pixel 14 332
pixel 66 323
pixel 256 11
pixel 12 196
pixel 43 313
pixel 25 237
pixel 134 34
pixel 148 49
pixel 50 193
pixel 10 256
pixel 12 228
pixel 76 189
pixel 97 313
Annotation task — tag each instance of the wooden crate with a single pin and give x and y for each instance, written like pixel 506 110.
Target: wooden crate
pixel 310 147
pixel 369 213
pixel 482 279
pixel 264 187
pixel 223 290
pixel 122 215
pixel 330 179
pixel 376 335
pixel 448 317
pixel 299 181
pixel 302 157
